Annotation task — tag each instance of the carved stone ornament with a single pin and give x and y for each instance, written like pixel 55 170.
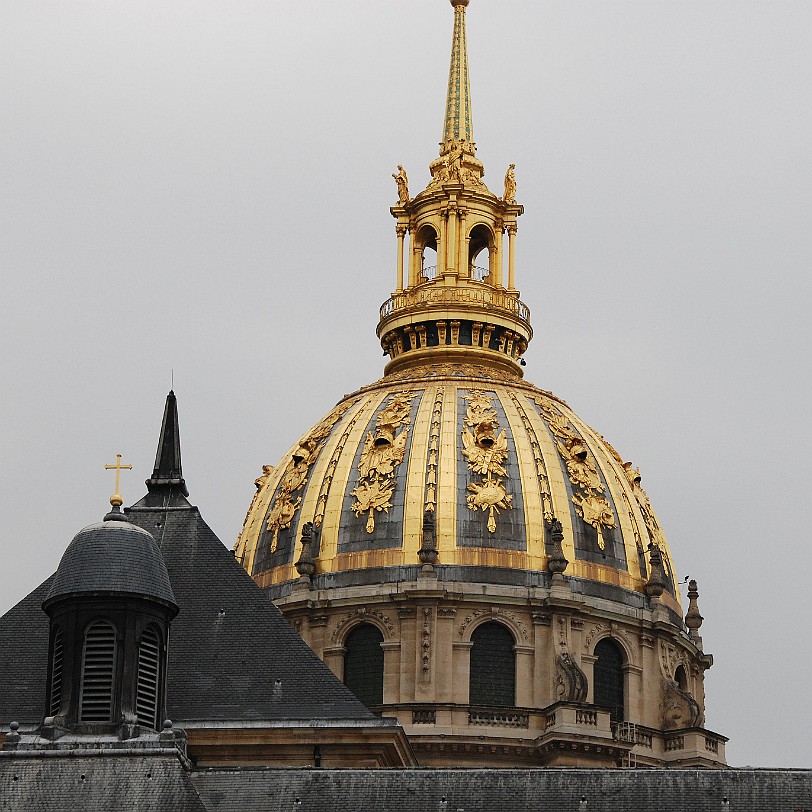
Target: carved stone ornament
pixel 557 562
pixel 680 709
pixel 427 553
pixel 485 451
pixel 496 612
pixel 305 566
pixel 359 615
pixel 384 449
pixel 283 510
pixel 671 659
pixel 655 586
pixel 593 632
pixel 571 684
pixel 590 500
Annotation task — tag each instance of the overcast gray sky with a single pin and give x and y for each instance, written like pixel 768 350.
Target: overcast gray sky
pixel 204 187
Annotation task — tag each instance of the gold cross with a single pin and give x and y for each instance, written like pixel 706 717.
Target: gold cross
pixel 116 499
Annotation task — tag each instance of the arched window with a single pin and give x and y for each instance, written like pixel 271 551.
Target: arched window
pixel 55 693
pixel 681 678
pixel 609 678
pixel 149 678
pixel 493 666
pixel 98 669
pixel 479 240
pixel 363 664
pixel 426 241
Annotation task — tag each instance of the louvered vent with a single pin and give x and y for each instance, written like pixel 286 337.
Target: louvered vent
pixel 149 670
pixel 55 698
pixel 98 664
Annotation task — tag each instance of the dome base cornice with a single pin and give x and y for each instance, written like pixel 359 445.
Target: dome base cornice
pixel 454 355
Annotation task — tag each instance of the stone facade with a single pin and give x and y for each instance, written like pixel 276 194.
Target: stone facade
pixel 427 629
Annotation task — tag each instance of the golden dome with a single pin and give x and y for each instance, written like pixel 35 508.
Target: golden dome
pixel 451 451
pixel 489 457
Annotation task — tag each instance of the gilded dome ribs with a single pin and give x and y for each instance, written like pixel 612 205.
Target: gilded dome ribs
pixel 433 459
pixel 538 459
pixel 324 490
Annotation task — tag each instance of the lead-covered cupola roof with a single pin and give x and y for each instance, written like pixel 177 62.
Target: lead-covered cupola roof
pixel 112 557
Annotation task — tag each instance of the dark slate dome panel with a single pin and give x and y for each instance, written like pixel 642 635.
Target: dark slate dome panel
pixel 112 556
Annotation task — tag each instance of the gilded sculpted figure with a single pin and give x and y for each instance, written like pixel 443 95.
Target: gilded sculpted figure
pixel 510 185
pixel 402 182
pixel 455 161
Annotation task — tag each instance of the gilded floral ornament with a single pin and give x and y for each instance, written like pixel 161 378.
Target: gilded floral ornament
pixel 283 510
pixel 580 469
pixel 485 451
pixel 383 451
pixel 590 501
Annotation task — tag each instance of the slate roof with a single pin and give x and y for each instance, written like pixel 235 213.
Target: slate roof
pixel 550 790
pixel 96 784
pixel 24 659
pixel 232 655
pixel 229 644
pixel 112 556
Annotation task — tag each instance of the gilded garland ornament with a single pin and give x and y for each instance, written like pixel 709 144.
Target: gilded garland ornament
pixel 485 452
pixel 590 500
pixel 383 451
pixel 283 510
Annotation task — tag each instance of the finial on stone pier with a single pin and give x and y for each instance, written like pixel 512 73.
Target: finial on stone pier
pixel 428 549
pixel 655 586
pixel 306 566
pixel 12 737
pixel 693 620
pixel 557 562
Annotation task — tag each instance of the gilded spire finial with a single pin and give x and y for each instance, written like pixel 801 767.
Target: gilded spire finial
pixel 116 500
pixel 459 124
pixel 453 299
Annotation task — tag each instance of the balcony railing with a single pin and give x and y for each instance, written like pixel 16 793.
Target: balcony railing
pixel 424 717
pixel 428 295
pixel 498 718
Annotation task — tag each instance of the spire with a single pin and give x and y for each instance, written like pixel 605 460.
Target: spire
pixel 168 472
pixel 459 123
pixel 456 299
